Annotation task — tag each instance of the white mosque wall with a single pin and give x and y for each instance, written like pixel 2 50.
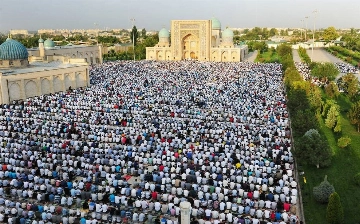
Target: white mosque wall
pixel 24 85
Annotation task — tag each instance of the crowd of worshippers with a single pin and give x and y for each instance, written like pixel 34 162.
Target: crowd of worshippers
pixel 305 71
pixel 146 136
pixel 346 68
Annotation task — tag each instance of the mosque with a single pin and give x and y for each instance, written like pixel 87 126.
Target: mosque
pixel 200 40
pixel 23 75
pixel 92 54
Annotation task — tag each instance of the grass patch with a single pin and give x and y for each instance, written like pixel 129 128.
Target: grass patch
pixel 345 164
pixel 344 54
pixel 269 56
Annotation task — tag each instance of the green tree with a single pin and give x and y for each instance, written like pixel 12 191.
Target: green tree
pixel 323 191
pixel 297 100
pixel 284 49
pixel 312 148
pixel 273 32
pixel 334 210
pixel 326 105
pixel 351 85
pixel 325 71
pixel 315 98
pixel 332 117
pixel 357 179
pixel 343 142
pixel 330 34
pixel 143 33
pixel 261 46
pixel 354 115
pixel 134 35
pixel 302 120
pixel 2 39
pixel 292 75
pixel 283 33
pixel 236 33
pixel 140 49
pixel 332 90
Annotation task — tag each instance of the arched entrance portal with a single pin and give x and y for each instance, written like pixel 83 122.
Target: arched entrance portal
pixel 190 46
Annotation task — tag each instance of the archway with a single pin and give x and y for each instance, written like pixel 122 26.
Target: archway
pixel 68 82
pixel 79 80
pixel 14 92
pixel 190 46
pixel 45 86
pixel 31 89
pixel 57 84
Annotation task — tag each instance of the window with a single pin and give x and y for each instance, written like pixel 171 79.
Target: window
pixel 11 62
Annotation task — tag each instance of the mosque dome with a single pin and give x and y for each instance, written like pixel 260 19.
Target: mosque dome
pixel 216 25
pixel 41 40
pixel 164 33
pixel 48 43
pixel 13 50
pixel 227 33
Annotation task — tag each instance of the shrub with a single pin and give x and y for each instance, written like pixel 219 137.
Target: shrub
pixel 335 53
pixel 357 179
pixel 348 59
pixel 323 191
pixel 343 142
pixel 334 210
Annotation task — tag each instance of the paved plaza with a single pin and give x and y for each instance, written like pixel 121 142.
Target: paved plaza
pixel 321 55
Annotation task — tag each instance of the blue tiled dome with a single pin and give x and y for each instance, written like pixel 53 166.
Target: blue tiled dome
pixel 216 25
pixel 13 50
pixel 164 33
pixel 227 33
pixel 41 40
pixel 48 43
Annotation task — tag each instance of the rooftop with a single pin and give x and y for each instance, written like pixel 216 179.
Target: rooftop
pixel 38 67
pixel 62 47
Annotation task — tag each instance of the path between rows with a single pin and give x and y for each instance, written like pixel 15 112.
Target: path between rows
pixel 251 56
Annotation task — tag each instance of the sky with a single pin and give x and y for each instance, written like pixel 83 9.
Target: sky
pixel 156 14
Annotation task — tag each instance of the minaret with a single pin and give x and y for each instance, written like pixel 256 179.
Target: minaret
pixel 41 48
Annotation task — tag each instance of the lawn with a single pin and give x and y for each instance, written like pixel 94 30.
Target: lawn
pixel 269 56
pixel 343 57
pixel 345 164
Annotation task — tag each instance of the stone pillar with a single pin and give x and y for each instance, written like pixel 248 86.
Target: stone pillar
pixel 38 83
pixel 185 212
pixel 22 89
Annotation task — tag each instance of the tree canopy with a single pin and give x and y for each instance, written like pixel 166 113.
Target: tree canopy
pixel 134 35
pixel 334 210
pixel 313 149
pixel 325 71
pixel 323 191
pixel 354 114
pixel 330 34
pixel 350 84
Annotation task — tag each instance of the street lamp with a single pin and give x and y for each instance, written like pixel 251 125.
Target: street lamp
pixel 306 17
pixel 133 35
pixel 302 25
pixel 312 49
pixel 97 33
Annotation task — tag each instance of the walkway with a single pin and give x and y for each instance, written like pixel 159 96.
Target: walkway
pixel 251 56
pixel 321 55
pixel 296 56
